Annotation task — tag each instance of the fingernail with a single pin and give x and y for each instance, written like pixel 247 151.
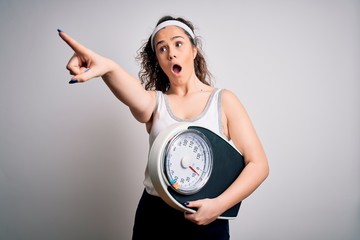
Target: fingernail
pixel 73 81
pixel 86 69
pixel 59 30
pixel 186 203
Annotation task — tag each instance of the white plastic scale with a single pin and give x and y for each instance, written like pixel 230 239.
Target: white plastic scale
pixel 189 162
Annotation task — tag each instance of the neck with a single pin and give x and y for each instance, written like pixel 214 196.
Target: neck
pixel 194 85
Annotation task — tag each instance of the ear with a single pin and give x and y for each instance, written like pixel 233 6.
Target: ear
pixel 194 52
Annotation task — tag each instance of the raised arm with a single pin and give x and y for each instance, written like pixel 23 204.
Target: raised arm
pixel 86 64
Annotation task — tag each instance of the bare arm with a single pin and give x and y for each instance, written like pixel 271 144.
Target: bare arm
pixel 240 129
pixel 244 137
pixel 125 87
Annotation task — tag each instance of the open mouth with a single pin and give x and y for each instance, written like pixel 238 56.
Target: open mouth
pixel 176 68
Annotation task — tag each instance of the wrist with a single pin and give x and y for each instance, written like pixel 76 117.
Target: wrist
pixel 111 69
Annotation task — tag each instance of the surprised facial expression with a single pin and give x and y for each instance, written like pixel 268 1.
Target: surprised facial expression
pixel 175 52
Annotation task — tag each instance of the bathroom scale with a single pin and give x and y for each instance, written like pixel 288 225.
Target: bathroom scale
pixel 189 162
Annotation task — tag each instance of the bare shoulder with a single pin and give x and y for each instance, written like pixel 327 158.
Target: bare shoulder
pixel 228 94
pixel 152 93
pixel 230 101
pixel 153 100
pixel 233 113
pixel 239 126
pixel 143 106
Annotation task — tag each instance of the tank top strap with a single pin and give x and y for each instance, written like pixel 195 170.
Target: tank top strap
pixel 210 117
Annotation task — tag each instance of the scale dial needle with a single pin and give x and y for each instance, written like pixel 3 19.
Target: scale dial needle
pixel 192 169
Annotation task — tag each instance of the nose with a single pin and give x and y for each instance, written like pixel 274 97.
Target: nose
pixel 172 54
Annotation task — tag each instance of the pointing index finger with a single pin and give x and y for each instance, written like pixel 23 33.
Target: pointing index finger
pixel 76 46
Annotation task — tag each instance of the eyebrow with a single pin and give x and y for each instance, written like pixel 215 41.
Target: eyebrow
pixel 161 41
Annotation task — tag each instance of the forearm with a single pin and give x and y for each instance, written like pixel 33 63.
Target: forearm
pixel 248 181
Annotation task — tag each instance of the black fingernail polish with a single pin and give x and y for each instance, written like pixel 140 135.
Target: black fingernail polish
pixel 59 30
pixel 73 81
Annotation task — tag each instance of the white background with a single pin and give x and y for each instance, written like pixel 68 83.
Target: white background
pixel 72 157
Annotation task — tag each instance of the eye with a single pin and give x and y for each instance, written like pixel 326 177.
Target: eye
pixel 162 49
pixel 178 44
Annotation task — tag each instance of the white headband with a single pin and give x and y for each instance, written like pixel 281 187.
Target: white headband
pixel 171 23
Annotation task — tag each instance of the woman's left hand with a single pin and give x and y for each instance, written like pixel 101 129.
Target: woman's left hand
pixel 207 211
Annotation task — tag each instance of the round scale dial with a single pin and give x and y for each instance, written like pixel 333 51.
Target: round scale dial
pixel 188 161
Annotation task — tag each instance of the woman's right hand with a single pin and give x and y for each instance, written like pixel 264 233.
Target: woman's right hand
pixel 85 64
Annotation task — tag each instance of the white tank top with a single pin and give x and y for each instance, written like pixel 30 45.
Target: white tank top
pixel 163 117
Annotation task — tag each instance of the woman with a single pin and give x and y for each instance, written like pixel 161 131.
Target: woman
pixel 175 86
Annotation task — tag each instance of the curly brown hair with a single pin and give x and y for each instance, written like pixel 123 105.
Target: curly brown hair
pixel 153 77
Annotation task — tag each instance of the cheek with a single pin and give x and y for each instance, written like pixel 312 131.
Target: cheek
pixel 191 57
pixel 163 67
pixel 161 61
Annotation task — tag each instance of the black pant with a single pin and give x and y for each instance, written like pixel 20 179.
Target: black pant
pixel 155 219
